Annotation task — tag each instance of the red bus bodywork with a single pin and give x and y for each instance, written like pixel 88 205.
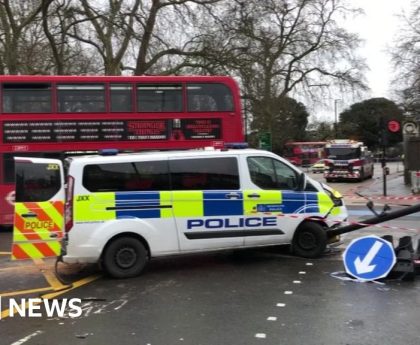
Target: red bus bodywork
pixel 55 116
pixel 304 153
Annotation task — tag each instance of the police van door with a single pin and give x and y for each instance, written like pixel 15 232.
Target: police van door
pixel 39 208
pixel 207 202
pixel 273 201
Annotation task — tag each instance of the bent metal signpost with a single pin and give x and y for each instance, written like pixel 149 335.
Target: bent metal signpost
pixel 369 258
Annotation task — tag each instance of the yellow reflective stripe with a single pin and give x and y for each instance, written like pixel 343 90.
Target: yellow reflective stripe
pixel 325 203
pixel 53 213
pixel 188 203
pixel 30 226
pixel 18 236
pixel 165 200
pixel 17 232
pixel 268 197
pixel 30 249
pixel 94 208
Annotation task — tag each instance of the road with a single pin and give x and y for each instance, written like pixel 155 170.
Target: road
pixel 258 296
pixel 248 297
pixel 350 187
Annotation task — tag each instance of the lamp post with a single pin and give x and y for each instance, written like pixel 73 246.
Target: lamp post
pixel 336 117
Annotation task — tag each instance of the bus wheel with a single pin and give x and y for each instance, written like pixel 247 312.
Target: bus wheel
pixel 124 257
pixel 310 240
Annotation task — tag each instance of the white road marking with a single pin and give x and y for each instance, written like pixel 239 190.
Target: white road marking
pixel 281 305
pixel 271 318
pixel 297 282
pixel 288 292
pixel 302 272
pixel 28 337
pixel 260 335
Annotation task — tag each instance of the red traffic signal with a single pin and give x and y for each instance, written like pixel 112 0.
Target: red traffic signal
pixel 394 126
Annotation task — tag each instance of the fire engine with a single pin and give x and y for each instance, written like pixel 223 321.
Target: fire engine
pixel 347 159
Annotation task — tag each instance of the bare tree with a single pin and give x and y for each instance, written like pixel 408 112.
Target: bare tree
pixel 406 58
pixel 67 36
pixel 155 45
pixel 70 55
pixel 282 48
pixel 15 18
pixel 107 28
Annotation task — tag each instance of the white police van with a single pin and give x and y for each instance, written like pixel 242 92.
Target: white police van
pixel 124 209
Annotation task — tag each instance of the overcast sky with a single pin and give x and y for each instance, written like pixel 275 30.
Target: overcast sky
pixel 377 27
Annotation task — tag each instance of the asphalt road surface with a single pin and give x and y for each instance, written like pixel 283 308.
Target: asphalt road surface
pixel 260 296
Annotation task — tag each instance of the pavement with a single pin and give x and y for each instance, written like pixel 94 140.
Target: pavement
pixel 396 191
pixel 398 196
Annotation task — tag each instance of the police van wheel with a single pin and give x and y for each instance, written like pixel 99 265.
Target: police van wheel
pixel 124 257
pixel 310 240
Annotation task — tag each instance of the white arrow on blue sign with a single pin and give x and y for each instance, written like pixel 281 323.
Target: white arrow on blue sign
pixel 369 258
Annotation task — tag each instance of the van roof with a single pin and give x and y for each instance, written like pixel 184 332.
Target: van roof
pixel 123 157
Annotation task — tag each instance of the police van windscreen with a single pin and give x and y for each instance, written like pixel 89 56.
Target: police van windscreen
pixel 36 182
pixel 342 153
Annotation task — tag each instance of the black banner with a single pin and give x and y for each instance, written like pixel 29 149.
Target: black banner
pixel 109 130
pixel 201 128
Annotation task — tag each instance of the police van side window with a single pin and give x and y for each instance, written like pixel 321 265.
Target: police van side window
pixel 268 173
pixel 124 177
pixel 205 174
pixel 151 176
pixel 36 182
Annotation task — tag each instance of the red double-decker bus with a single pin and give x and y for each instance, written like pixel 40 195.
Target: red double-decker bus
pixel 55 116
pixel 304 152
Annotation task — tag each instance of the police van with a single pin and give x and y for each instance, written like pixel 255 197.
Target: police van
pixel 124 209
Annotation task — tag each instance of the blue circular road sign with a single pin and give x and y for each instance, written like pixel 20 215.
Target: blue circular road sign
pixel 369 258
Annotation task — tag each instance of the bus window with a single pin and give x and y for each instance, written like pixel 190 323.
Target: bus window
pixel 121 98
pixel 159 98
pixel 81 98
pixel 27 98
pixel 209 97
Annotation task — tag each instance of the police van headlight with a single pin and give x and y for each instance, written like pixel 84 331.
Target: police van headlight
pixel 334 195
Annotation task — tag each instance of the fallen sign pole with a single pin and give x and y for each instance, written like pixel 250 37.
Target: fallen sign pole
pixel 361 256
pixel 375 220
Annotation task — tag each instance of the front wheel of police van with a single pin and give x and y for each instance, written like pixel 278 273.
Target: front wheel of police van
pixel 310 240
pixel 124 257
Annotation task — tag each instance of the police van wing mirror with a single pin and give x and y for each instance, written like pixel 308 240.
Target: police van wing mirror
pixel 301 181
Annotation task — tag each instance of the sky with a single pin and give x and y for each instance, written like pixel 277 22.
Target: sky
pixel 377 27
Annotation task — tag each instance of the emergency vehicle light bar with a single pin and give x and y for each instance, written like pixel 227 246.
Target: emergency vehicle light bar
pixel 236 145
pixel 108 152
